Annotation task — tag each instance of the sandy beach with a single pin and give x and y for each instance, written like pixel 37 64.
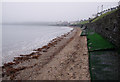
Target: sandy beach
pixel 0 73
pixel 64 58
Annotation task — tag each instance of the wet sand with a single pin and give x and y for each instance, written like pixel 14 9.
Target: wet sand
pixel 64 58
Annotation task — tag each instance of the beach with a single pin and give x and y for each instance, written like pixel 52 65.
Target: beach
pixel 63 58
pixel 0 73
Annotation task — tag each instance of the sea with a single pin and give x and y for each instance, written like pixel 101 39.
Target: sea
pixel 23 39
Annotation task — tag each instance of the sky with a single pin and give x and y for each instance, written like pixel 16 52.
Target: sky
pixel 13 12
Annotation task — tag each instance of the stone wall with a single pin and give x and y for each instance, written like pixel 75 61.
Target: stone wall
pixel 108 27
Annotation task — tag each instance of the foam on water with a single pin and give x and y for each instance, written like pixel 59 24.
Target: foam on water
pixel 22 39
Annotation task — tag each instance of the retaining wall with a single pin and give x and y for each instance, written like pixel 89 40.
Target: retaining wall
pixel 108 27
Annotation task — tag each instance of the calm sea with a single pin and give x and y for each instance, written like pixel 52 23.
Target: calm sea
pixel 22 39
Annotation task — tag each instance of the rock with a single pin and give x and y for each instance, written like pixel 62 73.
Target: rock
pixel 35 56
pixel 39 49
pixel 8 64
pixel 44 47
pixel 21 58
pixel 11 70
pixel 16 62
pixel 44 50
pixel 90 43
pixel 50 44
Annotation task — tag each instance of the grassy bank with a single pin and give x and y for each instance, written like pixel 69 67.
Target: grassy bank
pixel 103 15
pixel 84 22
pixel 103 59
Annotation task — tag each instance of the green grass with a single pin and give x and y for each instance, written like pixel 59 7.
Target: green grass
pixel 84 22
pixel 103 15
pixel 97 42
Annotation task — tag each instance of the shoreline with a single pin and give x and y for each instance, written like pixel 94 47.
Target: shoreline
pixel 49 44
pixel 48 62
pixel 36 40
pixel 34 55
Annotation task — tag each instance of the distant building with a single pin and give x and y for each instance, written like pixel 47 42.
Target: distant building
pixel 60 23
pixel 74 22
pixel 94 15
pixel 119 3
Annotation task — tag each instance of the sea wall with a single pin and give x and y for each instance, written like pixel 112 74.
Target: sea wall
pixel 108 27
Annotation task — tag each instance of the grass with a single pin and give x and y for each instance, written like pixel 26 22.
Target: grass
pixel 103 15
pixel 101 62
pixel 97 42
pixel 84 22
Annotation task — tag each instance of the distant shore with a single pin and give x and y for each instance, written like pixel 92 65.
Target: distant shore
pixel 57 53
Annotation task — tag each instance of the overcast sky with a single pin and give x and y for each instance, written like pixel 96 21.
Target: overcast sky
pixel 50 11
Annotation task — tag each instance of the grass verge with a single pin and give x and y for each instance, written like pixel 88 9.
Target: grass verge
pixel 97 42
pixel 103 62
pixel 103 15
pixel 84 22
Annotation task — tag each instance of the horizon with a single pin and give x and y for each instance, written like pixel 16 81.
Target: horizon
pixel 22 12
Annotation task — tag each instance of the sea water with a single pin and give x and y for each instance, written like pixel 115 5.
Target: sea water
pixel 23 39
